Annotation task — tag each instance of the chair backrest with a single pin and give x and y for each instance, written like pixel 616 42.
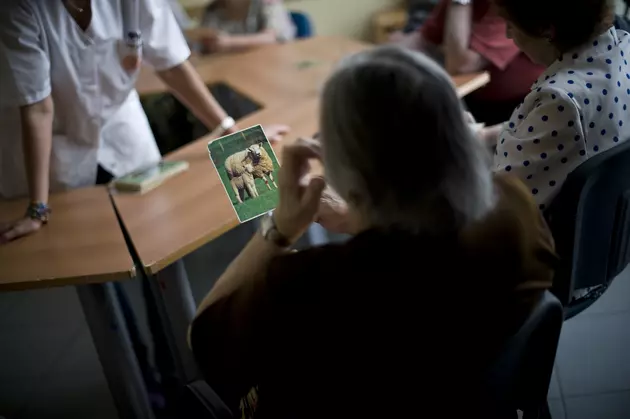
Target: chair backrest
pixel 590 222
pixel 303 25
pixel 520 376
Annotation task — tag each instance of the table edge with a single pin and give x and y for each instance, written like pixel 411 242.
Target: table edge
pixel 473 85
pixel 45 283
pixel 154 267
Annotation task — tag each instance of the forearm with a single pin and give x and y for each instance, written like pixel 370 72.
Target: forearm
pixel 249 266
pixel 186 84
pixel 197 34
pixel 458 56
pixel 37 122
pixel 241 42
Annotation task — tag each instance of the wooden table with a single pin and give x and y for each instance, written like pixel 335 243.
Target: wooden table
pixel 192 209
pixel 283 73
pixel 83 245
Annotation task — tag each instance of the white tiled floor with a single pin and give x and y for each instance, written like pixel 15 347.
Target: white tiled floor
pixel 593 360
pixel 606 406
pixel 49 368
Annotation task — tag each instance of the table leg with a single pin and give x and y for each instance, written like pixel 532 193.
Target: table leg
pixel 112 342
pixel 176 307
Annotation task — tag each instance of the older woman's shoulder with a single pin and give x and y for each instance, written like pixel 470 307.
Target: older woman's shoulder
pixel 514 235
pixel 515 208
pixel 515 205
pixel 514 193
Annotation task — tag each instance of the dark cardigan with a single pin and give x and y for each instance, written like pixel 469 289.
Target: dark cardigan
pixel 386 325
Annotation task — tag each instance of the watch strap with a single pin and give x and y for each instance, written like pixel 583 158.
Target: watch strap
pixel 270 232
pixel 38 211
pixel 226 124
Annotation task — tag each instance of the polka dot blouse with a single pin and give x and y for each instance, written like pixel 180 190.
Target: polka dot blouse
pixel 579 107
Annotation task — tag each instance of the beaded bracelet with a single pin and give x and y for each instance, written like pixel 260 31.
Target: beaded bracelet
pixel 38 211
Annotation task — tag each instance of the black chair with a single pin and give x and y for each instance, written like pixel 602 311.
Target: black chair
pixel 201 402
pixel 519 378
pixel 590 222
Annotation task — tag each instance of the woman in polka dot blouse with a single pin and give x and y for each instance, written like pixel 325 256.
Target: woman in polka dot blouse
pixel 579 106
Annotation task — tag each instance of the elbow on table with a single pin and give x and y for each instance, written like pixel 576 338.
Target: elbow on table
pixel 464 63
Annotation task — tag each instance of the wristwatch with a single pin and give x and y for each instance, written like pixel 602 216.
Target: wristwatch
pixel 225 125
pixel 38 211
pixel 270 232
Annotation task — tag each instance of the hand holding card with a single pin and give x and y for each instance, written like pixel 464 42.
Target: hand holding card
pixel 332 213
pixel 299 193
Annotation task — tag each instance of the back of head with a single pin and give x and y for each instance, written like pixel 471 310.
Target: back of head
pixel 566 23
pixel 396 144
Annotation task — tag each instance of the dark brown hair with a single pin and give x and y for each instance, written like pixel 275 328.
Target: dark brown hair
pixel 568 23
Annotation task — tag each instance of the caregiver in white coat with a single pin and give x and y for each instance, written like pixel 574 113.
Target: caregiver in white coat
pixel 67 99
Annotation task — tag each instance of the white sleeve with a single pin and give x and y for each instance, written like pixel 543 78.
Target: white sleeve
pixel 24 61
pixel 277 18
pixel 164 45
pixel 182 18
pixel 542 143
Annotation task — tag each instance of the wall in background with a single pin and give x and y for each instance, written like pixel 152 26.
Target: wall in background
pixel 350 18
pixel 353 17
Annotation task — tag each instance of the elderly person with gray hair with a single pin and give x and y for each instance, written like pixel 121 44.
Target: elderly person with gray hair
pixel 444 264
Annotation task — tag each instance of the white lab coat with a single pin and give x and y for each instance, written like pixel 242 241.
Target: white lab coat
pixel 98 116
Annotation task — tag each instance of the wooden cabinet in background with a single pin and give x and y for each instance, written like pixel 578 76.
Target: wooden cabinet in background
pixel 386 22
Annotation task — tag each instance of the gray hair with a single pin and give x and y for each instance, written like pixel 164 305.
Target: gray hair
pixel 396 145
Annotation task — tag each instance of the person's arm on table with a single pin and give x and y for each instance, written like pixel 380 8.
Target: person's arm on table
pixel 224 42
pixel 37 124
pixel 25 84
pixel 459 57
pixel 36 121
pixel 184 81
pixel 166 50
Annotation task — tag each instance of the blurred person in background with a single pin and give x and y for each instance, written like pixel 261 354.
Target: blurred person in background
pixel 237 25
pixel 315 329
pixel 468 36
pixel 417 13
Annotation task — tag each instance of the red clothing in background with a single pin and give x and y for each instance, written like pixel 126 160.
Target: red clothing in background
pixel 511 72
